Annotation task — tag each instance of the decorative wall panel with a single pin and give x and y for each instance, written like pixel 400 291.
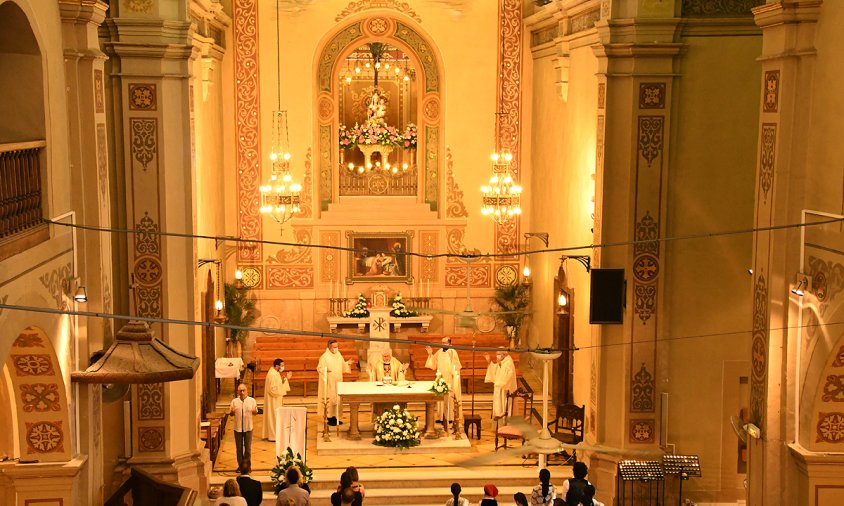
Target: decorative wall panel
pixel 455 275
pixel 247 121
pixel 142 97
pixel 330 259
pixel 771 91
pixel 429 244
pixel 290 276
pixel 454 195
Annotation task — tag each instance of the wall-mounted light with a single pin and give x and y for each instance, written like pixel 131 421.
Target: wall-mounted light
pixel 81 295
pixel 238 275
pixel 562 304
pixel 802 285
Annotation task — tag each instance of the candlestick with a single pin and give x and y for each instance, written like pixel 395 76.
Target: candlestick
pixel 325 384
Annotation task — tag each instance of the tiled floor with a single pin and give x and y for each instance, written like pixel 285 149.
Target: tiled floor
pixel 263 452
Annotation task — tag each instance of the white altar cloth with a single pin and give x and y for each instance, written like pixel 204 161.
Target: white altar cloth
pixel 291 424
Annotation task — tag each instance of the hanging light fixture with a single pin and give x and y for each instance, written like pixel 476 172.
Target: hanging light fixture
pixel 502 195
pixel 280 196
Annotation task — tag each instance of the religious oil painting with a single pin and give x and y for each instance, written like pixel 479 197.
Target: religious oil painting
pixel 379 256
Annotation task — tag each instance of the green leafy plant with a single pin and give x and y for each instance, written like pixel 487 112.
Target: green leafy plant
pixel 513 302
pixel 240 309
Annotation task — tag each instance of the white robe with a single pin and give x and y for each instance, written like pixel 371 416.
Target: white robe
pixel 276 387
pixel 448 364
pixel 396 370
pixel 503 377
pixel 336 366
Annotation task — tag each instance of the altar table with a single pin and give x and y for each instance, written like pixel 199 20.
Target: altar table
pixel 354 393
pixel 423 320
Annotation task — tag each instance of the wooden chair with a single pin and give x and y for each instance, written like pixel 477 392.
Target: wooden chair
pixel 519 403
pixel 567 427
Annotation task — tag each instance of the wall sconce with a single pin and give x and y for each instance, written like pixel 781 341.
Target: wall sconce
pixel 81 295
pixel 238 279
pixel 542 236
pixel 802 285
pixel 562 304
pixel 219 317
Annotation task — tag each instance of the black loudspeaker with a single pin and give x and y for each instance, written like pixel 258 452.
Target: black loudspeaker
pixel 606 302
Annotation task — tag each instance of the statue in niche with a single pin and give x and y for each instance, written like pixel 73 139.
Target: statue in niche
pixel 377 108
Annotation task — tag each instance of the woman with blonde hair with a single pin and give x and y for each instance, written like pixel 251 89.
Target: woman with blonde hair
pixel 231 494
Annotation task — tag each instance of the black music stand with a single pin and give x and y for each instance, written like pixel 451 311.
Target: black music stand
pixel 647 472
pixel 684 466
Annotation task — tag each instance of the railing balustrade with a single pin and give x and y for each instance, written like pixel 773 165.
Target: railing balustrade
pixel 20 186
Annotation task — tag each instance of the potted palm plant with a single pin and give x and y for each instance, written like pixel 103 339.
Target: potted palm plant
pixel 240 311
pixel 512 301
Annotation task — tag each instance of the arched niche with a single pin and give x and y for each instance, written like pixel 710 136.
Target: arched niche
pixel 36 393
pixel 22 107
pixel 406 35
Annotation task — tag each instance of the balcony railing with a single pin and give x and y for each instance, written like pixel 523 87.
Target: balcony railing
pixel 20 187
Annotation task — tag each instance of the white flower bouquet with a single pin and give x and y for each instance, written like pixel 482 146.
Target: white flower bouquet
pixel 399 309
pixel 396 428
pixel 440 387
pixel 360 310
pixel 284 462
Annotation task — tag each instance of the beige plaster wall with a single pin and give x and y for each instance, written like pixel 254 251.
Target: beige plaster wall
pixel 710 188
pixel 824 156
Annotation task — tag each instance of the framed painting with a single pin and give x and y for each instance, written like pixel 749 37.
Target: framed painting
pixel 379 257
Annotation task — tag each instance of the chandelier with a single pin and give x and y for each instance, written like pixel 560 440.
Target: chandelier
pixel 280 196
pixel 502 196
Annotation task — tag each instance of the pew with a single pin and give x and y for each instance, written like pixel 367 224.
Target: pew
pixel 300 355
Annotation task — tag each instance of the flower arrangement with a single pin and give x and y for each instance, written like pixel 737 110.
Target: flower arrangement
pixel 360 310
pixel 285 462
pixel 377 132
pixel 440 387
pixel 396 428
pixel 409 137
pixel 399 309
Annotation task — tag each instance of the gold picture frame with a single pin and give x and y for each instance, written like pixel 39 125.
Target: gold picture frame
pixel 379 257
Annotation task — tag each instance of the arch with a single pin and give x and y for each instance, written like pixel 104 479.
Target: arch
pixel 405 34
pixel 23 107
pixel 38 399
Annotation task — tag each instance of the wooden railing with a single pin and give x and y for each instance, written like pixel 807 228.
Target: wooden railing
pixel 20 186
pixel 144 488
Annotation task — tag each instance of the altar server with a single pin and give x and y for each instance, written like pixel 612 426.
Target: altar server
pixel 447 362
pixel 276 387
pixel 331 367
pixel 502 374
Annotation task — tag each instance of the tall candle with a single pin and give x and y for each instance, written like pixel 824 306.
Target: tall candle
pixel 325 383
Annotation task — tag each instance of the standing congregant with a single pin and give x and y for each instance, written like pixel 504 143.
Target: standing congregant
pixel 242 408
pixel 331 367
pixel 448 364
pixel 502 374
pixel 276 387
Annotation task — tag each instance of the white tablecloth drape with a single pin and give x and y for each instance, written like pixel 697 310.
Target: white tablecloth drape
pixel 225 367
pixel 291 426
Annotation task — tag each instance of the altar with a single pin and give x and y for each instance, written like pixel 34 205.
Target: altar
pixel 349 440
pixel 354 393
pixel 423 320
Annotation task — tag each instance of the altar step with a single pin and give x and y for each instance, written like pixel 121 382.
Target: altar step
pixel 423 486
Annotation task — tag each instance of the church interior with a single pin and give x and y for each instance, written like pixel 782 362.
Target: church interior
pixel 636 203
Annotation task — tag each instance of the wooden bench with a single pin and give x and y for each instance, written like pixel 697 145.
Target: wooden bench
pixel 301 356
pixel 472 369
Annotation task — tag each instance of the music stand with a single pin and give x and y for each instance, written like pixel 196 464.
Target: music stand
pixel 684 466
pixel 643 471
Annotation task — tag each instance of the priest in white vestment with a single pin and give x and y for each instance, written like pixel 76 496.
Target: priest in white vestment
pixel 447 362
pixel 502 374
pixel 388 367
pixel 276 386
pixel 331 367
pixel 387 370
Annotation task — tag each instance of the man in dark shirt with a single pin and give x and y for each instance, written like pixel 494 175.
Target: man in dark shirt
pixel 250 489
